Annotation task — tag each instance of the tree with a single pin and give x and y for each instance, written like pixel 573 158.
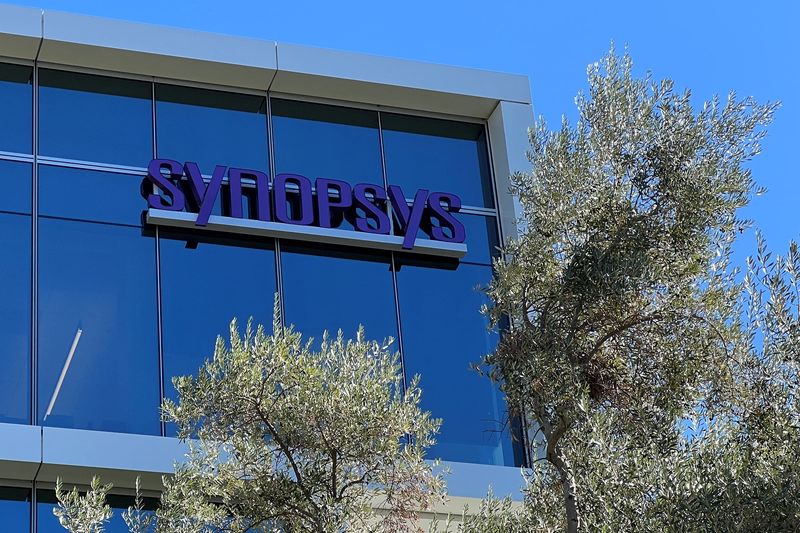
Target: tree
pixel 287 438
pixel 660 389
pixel 659 384
pixel 86 513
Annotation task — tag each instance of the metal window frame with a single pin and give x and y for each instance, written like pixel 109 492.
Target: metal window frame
pixel 35 159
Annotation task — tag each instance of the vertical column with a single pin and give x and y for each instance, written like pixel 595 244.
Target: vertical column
pixel 508 140
pixel 35 251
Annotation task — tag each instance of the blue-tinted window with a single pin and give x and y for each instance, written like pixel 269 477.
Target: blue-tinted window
pixel 15 509
pixel 438 155
pixel 97 293
pixel 95 118
pixel 443 334
pixel 90 195
pixel 204 285
pixel 16 108
pixel 211 127
pixel 481 235
pixel 15 184
pixel 336 289
pixel 323 141
pixel 47 522
pixel 482 241
pixel 15 318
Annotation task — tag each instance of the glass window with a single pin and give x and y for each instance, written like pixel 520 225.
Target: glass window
pixel 15 509
pixel 324 141
pixel 482 241
pixel 97 326
pixel 15 184
pixel 438 155
pixel 95 118
pixel 204 285
pixel 443 334
pixel 90 195
pixel 212 127
pixel 332 290
pixel 15 318
pixel 16 108
pixel 47 522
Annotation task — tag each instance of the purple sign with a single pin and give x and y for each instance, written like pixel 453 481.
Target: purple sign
pixel 292 200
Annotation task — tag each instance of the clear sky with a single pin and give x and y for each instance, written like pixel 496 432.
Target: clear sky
pixel 710 46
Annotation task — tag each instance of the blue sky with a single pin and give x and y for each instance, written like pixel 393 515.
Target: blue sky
pixel 710 46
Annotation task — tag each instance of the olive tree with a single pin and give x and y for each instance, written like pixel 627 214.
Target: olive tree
pixel 285 437
pixel 629 351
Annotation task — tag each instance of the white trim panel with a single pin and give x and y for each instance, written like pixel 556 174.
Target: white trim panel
pixel 20 31
pixel 237 62
pixel 161 51
pixel 20 451
pixel 278 230
pixel 508 134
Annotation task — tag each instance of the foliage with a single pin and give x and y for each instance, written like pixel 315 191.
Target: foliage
pixel 660 390
pixel 83 514
pixel 492 516
pixel 136 517
pixel 309 440
pixel 283 437
pixel 660 384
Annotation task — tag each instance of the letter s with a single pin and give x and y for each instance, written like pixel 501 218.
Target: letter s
pixel 167 186
pixel 371 209
pixel 445 217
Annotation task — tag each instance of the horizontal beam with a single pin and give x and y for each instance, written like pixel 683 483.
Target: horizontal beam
pixel 42 454
pixel 277 230
pixel 123 47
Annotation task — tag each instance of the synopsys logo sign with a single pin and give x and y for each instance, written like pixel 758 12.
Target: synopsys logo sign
pixel 292 200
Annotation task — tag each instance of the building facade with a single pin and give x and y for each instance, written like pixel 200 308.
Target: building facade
pixel 158 182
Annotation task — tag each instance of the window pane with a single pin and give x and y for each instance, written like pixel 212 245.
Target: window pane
pixel 443 334
pixel 482 241
pixel 202 289
pixel 327 290
pixel 438 155
pixel 97 293
pixel 15 509
pixel 15 183
pixel 90 195
pixel 323 141
pixel 95 118
pixel 47 522
pixel 16 108
pixel 15 318
pixel 211 127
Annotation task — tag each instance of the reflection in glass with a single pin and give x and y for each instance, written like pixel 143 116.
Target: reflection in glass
pixel 331 291
pixel 443 334
pixel 95 118
pixel 47 522
pixel 211 127
pixel 438 155
pixel 15 509
pixel 15 323
pixel 15 184
pixel 482 241
pixel 16 108
pixel 97 300
pixel 324 141
pixel 203 286
pixel 90 195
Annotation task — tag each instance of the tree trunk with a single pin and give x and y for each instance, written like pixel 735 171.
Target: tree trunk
pixel 568 489
pixel 557 458
pixel 570 503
